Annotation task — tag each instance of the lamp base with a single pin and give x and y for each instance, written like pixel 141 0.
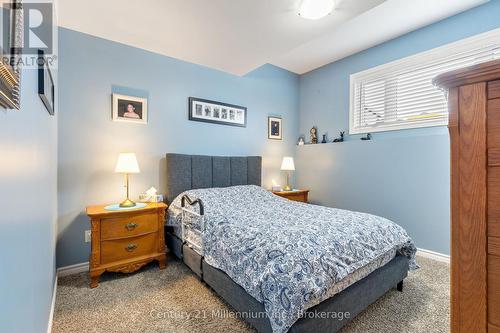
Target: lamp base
pixel 287 188
pixel 127 203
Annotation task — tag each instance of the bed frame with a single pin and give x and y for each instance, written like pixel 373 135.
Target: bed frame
pixel 185 172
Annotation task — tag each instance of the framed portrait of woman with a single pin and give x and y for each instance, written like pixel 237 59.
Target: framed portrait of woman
pixel 130 109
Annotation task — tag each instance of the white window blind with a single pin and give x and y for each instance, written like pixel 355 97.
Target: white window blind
pixel 400 94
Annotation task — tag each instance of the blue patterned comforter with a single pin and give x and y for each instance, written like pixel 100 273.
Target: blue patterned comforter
pixel 288 255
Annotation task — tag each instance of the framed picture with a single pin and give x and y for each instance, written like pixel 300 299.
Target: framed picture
pixel 217 112
pixel 10 66
pixel 130 109
pixel 45 83
pixel 274 128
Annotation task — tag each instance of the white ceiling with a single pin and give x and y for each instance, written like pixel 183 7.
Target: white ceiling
pixel 237 36
pixel 389 20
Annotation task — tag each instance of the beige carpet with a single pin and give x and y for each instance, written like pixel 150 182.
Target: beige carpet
pixel 174 300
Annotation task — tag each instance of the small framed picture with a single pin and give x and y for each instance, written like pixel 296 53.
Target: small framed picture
pixel 130 109
pixel 274 128
pixel 45 83
pixel 217 112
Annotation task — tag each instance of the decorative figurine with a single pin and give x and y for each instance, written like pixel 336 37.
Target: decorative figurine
pixel 324 138
pixel 341 139
pixel 314 135
pixel 301 141
pixel 367 137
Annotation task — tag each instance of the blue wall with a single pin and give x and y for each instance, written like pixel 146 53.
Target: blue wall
pixel 28 222
pixel 92 68
pixel 401 175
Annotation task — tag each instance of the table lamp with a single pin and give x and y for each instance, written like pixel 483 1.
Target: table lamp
pixel 127 163
pixel 287 165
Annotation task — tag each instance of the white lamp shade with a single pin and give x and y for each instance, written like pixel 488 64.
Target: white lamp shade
pixel 127 163
pixel 316 9
pixel 287 164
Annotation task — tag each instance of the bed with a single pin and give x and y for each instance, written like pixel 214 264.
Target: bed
pixel 284 266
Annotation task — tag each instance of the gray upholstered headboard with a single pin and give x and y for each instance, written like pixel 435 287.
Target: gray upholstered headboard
pixel 186 172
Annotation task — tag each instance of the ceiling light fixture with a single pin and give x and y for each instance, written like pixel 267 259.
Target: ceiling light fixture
pixel 316 9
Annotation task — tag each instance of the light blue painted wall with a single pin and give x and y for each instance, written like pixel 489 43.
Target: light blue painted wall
pixel 92 68
pixel 402 175
pixel 410 185
pixel 28 201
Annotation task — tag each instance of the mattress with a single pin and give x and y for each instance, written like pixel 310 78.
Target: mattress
pixel 351 300
pixel 174 219
pixel 290 256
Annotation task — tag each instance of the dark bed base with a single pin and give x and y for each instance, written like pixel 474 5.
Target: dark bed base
pixel 352 300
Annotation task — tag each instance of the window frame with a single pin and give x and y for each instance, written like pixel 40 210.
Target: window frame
pixel 405 64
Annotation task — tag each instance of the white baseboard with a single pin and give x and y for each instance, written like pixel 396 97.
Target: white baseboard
pixel 73 269
pixel 433 255
pixel 52 306
pixel 84 266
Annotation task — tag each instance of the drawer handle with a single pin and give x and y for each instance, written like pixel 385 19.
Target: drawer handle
pixel 131 247
pixel 131 226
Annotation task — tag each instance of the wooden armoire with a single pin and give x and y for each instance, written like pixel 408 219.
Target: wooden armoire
pixel 474 126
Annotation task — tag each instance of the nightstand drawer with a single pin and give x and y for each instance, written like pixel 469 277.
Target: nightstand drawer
pixel 119 249
pixel 128 226
pixel 297 197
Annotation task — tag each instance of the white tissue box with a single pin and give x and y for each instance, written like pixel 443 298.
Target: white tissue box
pixel 146 198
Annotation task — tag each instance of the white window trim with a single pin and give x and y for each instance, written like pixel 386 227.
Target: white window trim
pixel 444 51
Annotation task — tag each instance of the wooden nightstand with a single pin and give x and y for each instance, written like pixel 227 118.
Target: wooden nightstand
pixel 124 241
pixel 298 195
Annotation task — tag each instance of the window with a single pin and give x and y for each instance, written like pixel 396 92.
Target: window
pixel 400 94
